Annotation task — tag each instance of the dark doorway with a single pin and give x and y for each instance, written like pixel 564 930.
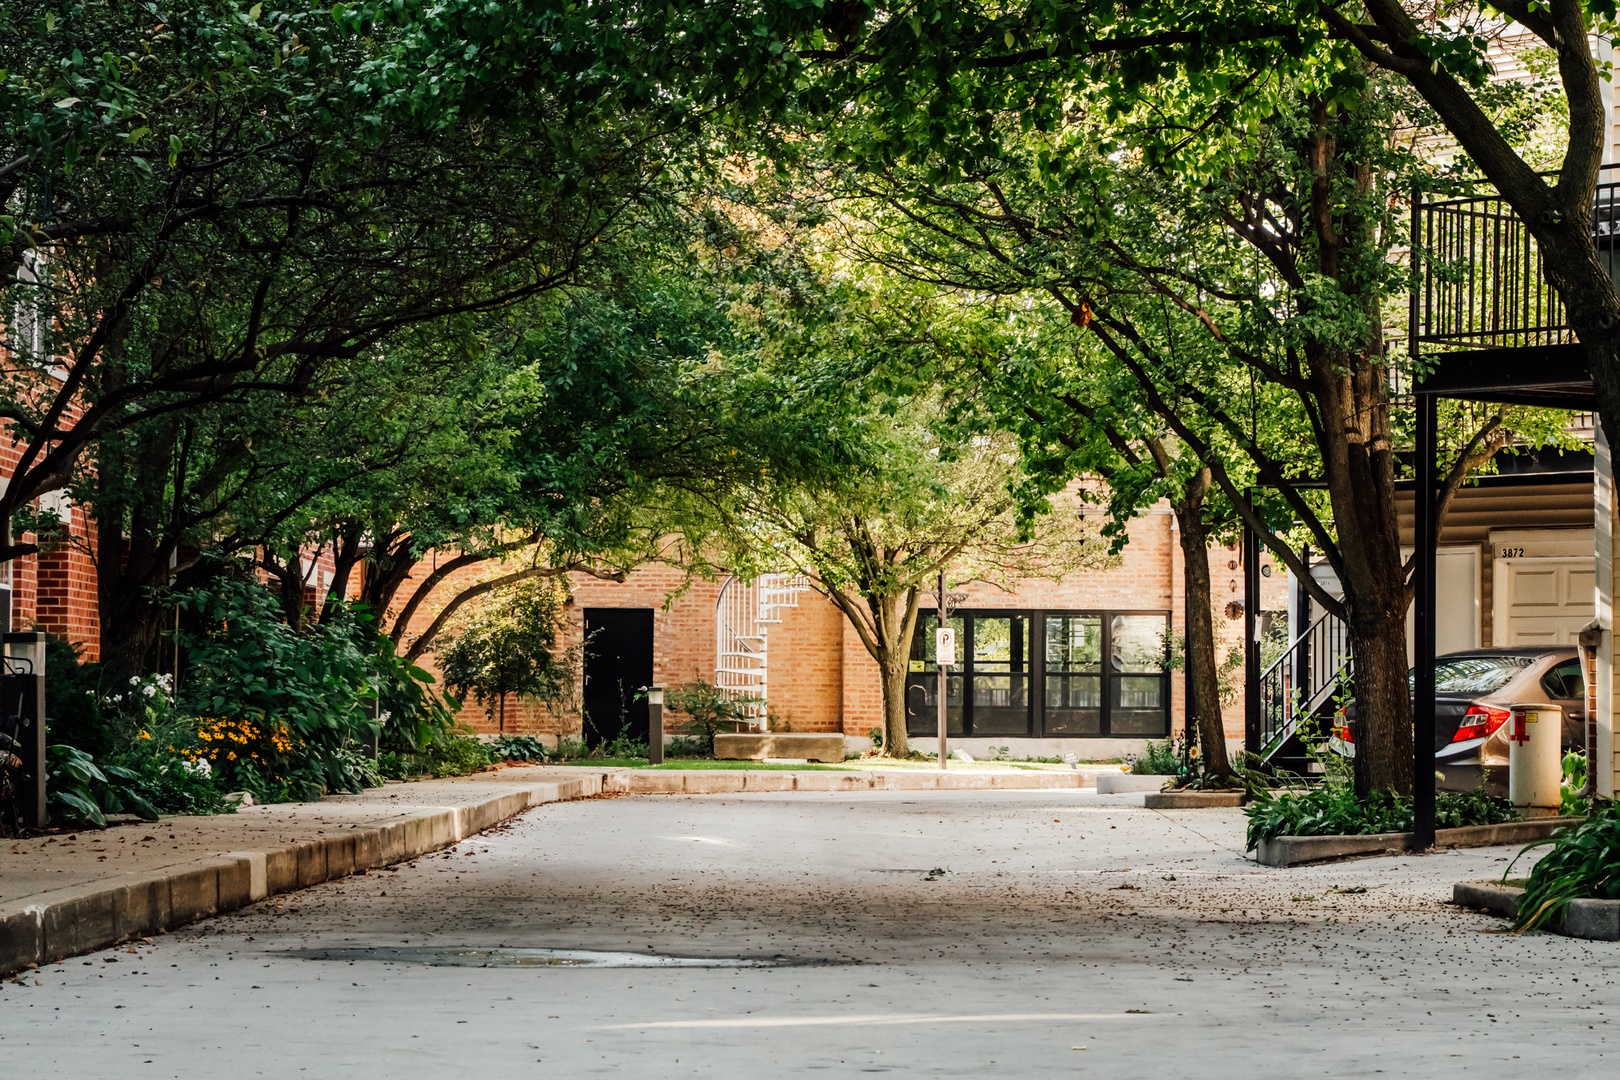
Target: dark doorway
pixel 618 663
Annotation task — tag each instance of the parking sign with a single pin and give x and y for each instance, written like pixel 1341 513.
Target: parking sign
pixel 945 645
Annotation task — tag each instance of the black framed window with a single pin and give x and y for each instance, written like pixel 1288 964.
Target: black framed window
pixel 1050 673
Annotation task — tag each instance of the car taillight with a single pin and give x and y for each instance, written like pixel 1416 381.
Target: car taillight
pixel 1479 721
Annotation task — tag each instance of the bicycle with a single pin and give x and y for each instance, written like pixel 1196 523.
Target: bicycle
pixel 13 772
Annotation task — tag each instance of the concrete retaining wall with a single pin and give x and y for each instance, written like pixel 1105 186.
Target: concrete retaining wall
pixel 1595 920
pixel 1294 850
pixel 65 922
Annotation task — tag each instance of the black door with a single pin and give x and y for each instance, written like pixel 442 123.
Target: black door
pixel 618 663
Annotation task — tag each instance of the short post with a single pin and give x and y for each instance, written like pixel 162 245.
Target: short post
pixel 655 725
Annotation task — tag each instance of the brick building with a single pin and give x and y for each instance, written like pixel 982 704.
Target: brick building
pixel 1034 677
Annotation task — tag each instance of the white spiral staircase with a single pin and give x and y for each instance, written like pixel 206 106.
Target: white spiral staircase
pixel 744 614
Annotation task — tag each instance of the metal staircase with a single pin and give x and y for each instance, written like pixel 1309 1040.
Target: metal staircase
pixel 744 614
pixel 1297 691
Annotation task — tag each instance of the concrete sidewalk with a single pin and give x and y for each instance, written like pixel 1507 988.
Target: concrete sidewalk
pixel 66 894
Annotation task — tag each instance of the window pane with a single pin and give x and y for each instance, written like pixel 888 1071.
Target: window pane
pixel 1000 643
pixel 1138 706
pixel 922 704
pixel 1000 705
pixel 1074 643
pixel 1073 705
pixel 1138 643
pixel 1564 682
pixel 1475 674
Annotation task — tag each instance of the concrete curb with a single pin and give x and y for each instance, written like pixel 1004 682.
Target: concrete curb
pixel 729 782
pixel 1115 783
pixel 1594 920
pixel 1283 851
pixel 1192 800
pixel 50 926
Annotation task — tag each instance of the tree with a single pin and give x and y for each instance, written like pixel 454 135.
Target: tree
pixel 1247 314
pixel 207 206
pixel 509 645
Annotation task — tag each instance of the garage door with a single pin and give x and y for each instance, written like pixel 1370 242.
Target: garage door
pixel 1543 601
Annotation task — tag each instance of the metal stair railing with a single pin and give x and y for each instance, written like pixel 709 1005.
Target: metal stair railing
pixel 744 613
pixel 1302 681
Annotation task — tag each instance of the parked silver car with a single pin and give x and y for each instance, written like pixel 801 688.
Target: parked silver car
pixel 1473 692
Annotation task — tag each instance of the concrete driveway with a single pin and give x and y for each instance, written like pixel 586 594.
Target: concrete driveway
pixel 1063 934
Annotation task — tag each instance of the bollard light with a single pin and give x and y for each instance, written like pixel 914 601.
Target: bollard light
pixel 655 725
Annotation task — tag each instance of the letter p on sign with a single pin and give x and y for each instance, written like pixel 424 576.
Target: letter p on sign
pixel 945 646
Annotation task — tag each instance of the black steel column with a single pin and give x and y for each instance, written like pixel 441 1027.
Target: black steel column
pixel 1425 541
pixel 1251 648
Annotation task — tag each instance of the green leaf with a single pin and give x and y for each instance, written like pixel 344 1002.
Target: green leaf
pixel 81 807
pixel 146 810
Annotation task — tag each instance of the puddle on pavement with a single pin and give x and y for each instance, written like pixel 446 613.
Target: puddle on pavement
pixel 439 956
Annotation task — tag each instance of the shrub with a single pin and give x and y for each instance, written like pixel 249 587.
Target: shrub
pixel 624 747
pixel 457 754
pixel 1584 863
pixel 709 709
pixel 289 711
pixel 1338 811
pixel 175 786
pixel 73 698
pixel 520 748
pixel 80 792
pixel 682 747
pixel 1161 758
pixel 1572 802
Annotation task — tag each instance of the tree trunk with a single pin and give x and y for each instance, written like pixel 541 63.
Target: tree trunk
pixel 1382 729
pixel 132 548
pixel 896 742
pixel 1203 680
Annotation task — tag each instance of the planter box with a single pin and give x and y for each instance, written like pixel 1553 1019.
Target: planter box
pixel 1295 850
pixel 1193 800
pixel 1595 920
pixel 763 746
pixel 1113 783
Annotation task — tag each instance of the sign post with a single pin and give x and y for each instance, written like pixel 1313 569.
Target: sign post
pixel 944 656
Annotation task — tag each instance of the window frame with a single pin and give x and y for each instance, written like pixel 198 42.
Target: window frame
pixel 921 672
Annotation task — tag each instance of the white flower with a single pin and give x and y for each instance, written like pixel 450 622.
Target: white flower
pixel 382 717
pixel 134 680
pixel 200 768
pixel 149 691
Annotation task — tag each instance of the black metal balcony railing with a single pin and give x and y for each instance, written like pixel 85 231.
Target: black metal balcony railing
pixel 1482 284
pixel 1298 688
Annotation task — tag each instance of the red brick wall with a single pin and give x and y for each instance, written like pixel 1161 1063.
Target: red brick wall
pixel 805 684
